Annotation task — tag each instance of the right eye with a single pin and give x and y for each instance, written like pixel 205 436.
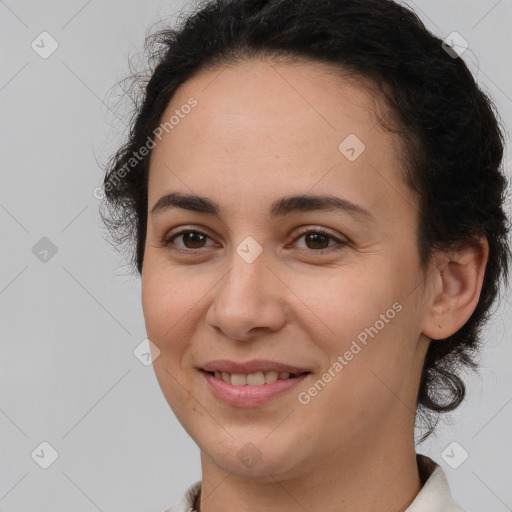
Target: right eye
pixel 191 239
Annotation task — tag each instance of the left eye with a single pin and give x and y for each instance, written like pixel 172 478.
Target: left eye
pixel 316 238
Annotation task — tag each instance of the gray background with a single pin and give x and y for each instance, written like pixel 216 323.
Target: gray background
pixel 69 325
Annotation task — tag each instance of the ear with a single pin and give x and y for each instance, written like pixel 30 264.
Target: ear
pixel 457 281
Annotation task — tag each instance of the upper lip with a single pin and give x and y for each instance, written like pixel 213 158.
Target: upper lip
pixel 256 365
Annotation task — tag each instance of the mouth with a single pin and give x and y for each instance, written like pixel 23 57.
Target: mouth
pixel 252 390
pixel 259 378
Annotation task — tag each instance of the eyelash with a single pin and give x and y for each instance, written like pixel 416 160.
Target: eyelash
pixel 167 242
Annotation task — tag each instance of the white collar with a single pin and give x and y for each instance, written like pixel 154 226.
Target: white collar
pixel 434 496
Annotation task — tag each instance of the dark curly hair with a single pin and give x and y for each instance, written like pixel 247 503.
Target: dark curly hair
pixel 453 144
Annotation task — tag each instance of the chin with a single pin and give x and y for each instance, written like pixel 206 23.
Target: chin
pixel 255 458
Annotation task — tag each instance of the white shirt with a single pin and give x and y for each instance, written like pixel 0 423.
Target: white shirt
pixel 434 496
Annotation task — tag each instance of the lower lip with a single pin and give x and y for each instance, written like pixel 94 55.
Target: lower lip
pixel 250 396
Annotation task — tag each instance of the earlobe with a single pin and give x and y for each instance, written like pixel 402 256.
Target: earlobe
pixel 459 276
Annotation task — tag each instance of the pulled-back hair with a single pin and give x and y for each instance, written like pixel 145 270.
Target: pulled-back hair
pixel 453 144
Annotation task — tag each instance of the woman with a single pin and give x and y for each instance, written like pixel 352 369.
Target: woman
pixel 314 198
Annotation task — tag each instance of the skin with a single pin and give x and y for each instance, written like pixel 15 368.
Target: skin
pixel 263 130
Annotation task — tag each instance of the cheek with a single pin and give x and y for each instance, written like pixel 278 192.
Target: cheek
pixel 173 302
pixel 168 316
pixel 346 301
pixel 154 305
pixel 163 306
pixel 365 318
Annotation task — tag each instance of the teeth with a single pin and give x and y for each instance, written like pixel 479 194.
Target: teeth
pixel 253 379
pixel 238 379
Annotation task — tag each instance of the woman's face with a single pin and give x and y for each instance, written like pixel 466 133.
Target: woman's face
pixel 336 292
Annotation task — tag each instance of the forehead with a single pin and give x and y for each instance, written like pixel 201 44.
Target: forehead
pixel 260 126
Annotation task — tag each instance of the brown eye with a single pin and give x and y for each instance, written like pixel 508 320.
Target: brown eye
pixel 317 241
pixel 193 240
pixel 189 240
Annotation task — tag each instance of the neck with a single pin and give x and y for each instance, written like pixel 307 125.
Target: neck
pixel 363 479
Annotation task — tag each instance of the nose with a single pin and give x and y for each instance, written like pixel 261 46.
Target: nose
pixel 248 300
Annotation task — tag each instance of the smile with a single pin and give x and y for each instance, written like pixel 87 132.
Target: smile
pixel 251 390
pixel 252 379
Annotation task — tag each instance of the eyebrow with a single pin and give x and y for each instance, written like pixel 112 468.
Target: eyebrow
pixel 279 208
